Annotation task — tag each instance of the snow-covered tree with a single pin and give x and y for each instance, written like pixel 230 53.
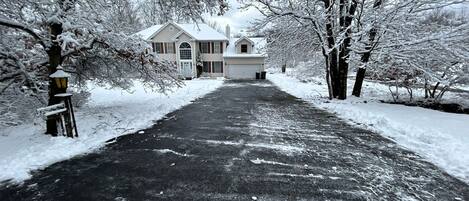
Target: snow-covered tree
pixel 87 38
pixel 435 44
pixel 351 31
pixel 161 11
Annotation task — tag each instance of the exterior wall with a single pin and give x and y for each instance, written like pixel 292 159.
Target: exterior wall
pixel 243 42
pixel 244 60
pixel 165 36
pixel 212 57
pixel 168 57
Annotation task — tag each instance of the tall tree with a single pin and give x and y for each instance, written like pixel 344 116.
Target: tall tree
pixel 346 27
pixel 84 37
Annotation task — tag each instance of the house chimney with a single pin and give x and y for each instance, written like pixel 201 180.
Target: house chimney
pixel 227 31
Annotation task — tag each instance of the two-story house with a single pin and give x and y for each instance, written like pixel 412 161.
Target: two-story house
pixel 216 54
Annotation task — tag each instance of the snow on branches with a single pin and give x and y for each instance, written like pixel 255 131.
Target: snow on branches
pixel 421 37
pixel 91 39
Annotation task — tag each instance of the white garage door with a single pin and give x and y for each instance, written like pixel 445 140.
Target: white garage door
pixel 245 71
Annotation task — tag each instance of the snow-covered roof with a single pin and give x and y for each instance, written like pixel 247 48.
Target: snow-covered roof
pixel 148 32
pixel 202 32
pixel 198 31
pixel 243 38
pixel 258 50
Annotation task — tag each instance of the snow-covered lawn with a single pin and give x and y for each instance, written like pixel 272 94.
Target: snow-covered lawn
pixel 439 137
pixel 110 113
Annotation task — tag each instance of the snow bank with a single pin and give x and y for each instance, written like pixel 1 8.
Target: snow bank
pixel 109 114
pixel 441 138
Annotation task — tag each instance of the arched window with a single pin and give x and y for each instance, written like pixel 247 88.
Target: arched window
pixel 185 52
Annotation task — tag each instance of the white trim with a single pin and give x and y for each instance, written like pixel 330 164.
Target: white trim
pixel 244 37
pixel 174 38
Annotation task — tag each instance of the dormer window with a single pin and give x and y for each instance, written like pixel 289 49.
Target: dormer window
pixel 244 48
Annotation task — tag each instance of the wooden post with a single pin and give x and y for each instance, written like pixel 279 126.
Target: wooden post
pixel 70 123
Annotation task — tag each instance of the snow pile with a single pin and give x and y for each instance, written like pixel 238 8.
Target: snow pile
pixel 442 138
pixel 109 114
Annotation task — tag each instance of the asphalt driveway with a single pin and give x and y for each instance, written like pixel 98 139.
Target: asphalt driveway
pixel 245 141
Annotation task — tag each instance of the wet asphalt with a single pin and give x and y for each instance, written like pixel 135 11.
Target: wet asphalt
pixel 245 141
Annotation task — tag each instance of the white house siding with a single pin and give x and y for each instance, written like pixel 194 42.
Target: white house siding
pixel 211 57
pixel 166 34
pixel 168 57
pixel 244 60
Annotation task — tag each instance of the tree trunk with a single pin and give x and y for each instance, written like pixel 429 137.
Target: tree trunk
pixel 332 55
pixel 345 21
pixel 357 87
pixel 55 56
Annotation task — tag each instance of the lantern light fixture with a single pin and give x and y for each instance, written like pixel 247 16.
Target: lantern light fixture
pixel 60 77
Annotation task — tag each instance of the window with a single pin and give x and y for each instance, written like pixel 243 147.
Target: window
pixel 218 67
pixel 244 48
pixel 158 48
pixel 216 47
pixel 185 51
pixel 169 48
pixel 204 47
pixel 206 67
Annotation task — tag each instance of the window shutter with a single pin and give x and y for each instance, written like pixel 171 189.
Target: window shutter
pixel 164 48
pixel 174 48
pixel 153 47
pixel 221 48
pixel 221 64
pixel 210 67
pixel 200 47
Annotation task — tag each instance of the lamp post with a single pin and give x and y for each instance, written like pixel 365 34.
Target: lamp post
pixel 61 81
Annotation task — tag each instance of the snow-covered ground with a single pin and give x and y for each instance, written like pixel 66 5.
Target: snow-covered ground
pixel 110 113
pixel 441 138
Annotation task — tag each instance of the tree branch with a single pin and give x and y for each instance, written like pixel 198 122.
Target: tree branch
pixel 16 25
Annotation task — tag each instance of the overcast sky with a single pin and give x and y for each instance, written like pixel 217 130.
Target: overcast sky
pixel 240 19
pixel 236 18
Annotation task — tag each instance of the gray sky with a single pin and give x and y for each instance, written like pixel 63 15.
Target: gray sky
pixel 236 18
pixel 240 19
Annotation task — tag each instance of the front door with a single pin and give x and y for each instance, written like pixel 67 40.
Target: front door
pixel 186 69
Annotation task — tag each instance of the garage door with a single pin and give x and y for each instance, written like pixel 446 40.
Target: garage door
pixel 244 71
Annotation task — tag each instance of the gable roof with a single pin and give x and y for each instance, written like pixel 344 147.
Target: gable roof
pixel 259 45
pixel 244 38
pixel 197 31
pixel 148 32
